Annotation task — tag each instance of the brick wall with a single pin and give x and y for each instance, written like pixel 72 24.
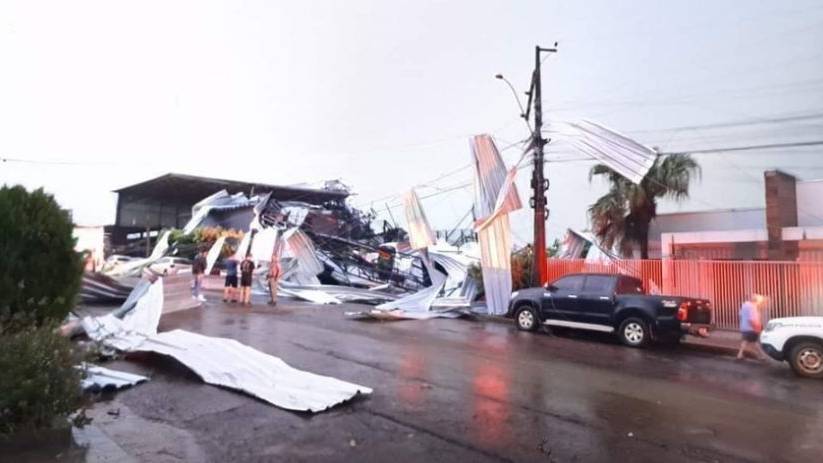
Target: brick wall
pixel 781 211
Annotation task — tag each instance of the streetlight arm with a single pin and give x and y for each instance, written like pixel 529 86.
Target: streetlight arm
pixel 517 98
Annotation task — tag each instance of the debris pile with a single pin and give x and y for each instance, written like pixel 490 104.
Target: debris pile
pixel 218 361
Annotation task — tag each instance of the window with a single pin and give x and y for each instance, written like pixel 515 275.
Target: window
pixel 629 286
pixel 571 283
pixel 598 284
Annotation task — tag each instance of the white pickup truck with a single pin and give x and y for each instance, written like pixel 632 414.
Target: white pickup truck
pixel 797 340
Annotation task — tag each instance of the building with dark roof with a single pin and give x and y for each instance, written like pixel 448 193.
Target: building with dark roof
pixel 166 202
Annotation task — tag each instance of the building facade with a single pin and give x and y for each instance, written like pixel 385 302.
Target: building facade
pixel 789 228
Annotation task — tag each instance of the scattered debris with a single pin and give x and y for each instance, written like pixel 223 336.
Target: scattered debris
pixel 218 361
pixel 98 378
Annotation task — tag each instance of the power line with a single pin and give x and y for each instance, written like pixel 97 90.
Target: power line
pixel 734 123
pixel 750 147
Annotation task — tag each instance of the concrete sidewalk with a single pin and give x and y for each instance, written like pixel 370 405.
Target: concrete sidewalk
pixel 719 341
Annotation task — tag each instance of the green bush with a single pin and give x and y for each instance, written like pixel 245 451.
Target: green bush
pixel 39 383
pixel 40 272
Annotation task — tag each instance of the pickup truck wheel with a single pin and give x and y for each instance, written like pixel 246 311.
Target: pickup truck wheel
pixel 806 359
pixel 633 332
pixel 526 319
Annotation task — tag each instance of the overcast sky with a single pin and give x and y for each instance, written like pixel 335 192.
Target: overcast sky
pixel 383 95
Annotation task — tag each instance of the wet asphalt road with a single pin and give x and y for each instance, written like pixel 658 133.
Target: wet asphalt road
pixel 458 390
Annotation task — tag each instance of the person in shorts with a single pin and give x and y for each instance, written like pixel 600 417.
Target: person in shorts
pixel 230 290
pixel 246 271
pixel 750 326
pixel 275 272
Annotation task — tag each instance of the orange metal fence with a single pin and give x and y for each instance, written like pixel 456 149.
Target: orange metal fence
pixel 793 288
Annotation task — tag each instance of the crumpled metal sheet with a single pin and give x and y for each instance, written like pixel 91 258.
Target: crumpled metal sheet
pixel 495 196
pixel 421 300
pixel 126 329
pixel 262 247
pixel 97 287
pixel 300 247
pixel 421 235
pixel 220 361
pixel 311 295
pixel 98 378
pixel 221 200
pixel 339 293
pixel 135 267
pixel 622 154
pixel 214 254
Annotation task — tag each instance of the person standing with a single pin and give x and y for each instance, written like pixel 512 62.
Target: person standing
pixel 246 271
pixel 751 325
pixel 198 269
pixel 230 289
pixel 275 272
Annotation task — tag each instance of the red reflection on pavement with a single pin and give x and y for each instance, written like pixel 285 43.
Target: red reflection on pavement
pixel 411 388
pixel 491 409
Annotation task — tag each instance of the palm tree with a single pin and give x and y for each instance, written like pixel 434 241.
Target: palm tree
pixel 621 217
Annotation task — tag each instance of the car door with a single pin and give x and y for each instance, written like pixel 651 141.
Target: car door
pixel 560 299
pixel 596 300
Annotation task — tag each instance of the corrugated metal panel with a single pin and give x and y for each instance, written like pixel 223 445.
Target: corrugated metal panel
pixel 622 154
pixel 97 377
pixel 228 363
pixel 219 361
pixel 420 233
pixel 495 195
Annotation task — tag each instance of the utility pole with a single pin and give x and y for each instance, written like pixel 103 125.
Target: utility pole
pixel 539 182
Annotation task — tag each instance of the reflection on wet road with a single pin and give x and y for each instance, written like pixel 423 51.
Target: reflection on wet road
pixel 481 391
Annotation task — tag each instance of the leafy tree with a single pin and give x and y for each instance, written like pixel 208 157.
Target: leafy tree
pixel 40 272
pixel 39 385
pixel 621 217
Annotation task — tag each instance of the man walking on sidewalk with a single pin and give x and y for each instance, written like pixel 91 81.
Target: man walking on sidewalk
pixel 750 326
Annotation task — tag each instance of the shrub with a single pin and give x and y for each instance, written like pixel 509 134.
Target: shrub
pixel 39 383
pixel 40 272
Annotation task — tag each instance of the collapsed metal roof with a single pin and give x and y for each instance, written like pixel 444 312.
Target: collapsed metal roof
pixel 193 188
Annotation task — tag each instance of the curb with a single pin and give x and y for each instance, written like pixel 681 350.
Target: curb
pixel 697 346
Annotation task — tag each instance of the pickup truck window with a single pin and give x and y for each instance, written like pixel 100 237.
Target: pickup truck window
pixel 570 283
pixel 598 284
pixel 629 286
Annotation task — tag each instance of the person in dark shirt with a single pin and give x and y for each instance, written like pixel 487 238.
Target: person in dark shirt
pixel 246 270
pixel 198 269
pixel 230 291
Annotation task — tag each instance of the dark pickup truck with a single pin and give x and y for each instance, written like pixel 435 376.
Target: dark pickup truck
pixel 611 304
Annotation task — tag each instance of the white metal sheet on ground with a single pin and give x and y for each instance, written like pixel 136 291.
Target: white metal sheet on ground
pixel 228 363
pixel 311 295
pixel 98 377
pixel 127 332
pixel 219 361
